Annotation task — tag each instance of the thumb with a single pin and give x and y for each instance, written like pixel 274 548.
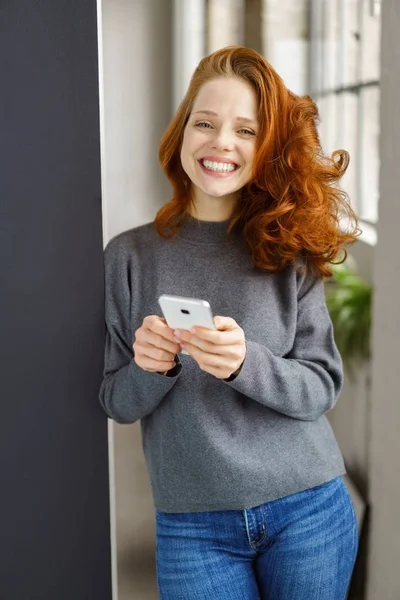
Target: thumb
pixel 224 323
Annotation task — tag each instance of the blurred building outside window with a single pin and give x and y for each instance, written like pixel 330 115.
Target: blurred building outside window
pixel 344 81
pixel 189 47
pixel 225 23
pixel 286 41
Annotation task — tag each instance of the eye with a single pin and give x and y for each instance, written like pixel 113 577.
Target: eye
pixel 203 125
pixel 247 131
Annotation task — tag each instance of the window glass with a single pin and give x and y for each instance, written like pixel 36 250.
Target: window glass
pixel 369 163
pixel 370 48
pixel 317 46
pixel 328 109
pixel 348 140
pixel 331 38
pixel 345 81
pixel 350 40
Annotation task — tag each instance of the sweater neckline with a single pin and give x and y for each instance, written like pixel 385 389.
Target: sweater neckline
pixel 204 232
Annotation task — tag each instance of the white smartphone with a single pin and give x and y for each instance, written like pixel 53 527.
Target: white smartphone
pixel 185 313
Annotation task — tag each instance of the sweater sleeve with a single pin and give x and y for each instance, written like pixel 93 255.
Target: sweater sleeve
pixel 306 382
pixel 127 393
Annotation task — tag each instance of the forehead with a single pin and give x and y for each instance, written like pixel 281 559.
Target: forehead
pixel 227 94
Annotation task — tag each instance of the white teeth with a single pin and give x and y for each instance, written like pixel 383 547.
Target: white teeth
pixel 218 166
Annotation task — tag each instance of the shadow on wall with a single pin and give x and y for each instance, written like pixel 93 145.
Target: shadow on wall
pixel 135 521
pixel 137 574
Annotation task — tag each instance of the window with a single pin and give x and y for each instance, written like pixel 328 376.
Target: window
pixel 345 47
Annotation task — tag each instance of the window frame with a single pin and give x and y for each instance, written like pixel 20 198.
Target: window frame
pixel 320 59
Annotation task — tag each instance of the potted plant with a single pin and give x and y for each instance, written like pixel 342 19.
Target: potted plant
pixel 349 302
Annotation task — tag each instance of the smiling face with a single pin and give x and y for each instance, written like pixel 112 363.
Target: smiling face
pixel 219 145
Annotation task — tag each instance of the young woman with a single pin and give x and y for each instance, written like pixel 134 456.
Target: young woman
pixel 244 467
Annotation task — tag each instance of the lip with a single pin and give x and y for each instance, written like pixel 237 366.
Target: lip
pixel 221 174
pixel 220 159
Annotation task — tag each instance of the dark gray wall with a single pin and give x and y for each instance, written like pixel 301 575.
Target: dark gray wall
pixel 54 500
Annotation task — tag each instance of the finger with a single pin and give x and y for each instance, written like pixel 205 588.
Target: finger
pixel 148 337
pixel 155 353
pixel 148 364
pixel 225 323
pixel 159 326
pixel 235 351
pixel 207 359
pixel 219 338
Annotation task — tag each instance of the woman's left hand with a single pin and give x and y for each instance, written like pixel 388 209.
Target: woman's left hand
pixel 220 352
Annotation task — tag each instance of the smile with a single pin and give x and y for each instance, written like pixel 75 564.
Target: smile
pixel 218 167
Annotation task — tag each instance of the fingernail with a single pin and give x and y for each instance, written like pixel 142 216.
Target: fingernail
pixel 177 334
pixel 193 330
pixel 176 340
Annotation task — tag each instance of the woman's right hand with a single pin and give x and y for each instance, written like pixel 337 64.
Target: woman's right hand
pixel 154 347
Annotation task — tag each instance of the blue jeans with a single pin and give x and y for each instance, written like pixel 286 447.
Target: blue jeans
pixel 301 547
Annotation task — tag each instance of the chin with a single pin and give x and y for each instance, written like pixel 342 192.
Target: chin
pixel 218 193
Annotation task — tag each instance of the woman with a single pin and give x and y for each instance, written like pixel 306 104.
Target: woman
pixel 244 467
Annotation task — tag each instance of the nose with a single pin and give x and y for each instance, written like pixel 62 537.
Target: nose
pixel 223 140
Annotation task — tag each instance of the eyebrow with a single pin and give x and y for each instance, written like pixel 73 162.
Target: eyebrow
pixel 214 114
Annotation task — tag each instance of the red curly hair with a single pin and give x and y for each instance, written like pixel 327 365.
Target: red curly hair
pixel 292 206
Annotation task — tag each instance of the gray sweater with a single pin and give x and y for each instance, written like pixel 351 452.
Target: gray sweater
pixel 212 444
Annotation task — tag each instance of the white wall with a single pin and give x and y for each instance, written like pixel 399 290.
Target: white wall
pixel 225 24
pixel 137 106
pixel 189 43
pixel 285 35
pixel 136 102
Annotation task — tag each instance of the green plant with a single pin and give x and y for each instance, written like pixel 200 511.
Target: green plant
pixel 349 301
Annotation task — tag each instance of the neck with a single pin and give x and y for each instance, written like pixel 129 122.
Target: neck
pixel 207 208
